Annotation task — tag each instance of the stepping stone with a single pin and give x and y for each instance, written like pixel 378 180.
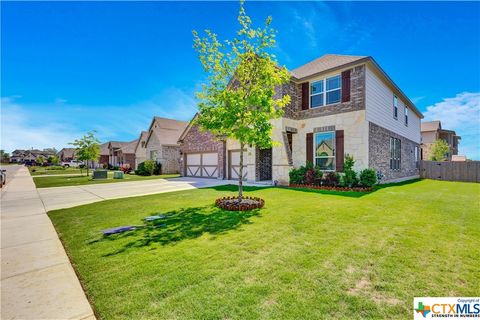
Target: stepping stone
pixel 111 231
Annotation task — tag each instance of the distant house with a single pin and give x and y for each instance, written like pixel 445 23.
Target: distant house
pixel 141 149
pixel 162 143
pixel 21 156
pixel 432 131
pixel 122 153
pixel 66 154
pixel 104 154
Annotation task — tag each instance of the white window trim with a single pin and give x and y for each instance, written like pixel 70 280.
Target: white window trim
pixel 334 151
pixel 405 116
pixel 395 107
pixel 324 92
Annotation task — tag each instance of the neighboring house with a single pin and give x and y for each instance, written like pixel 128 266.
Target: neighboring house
pixel 432 131
pixel 66 154
pixel 339 105
pixel 122 153
pixel 104 154
pixel 141 149
pixel 457 158
pixel 162 145
pixel 21 156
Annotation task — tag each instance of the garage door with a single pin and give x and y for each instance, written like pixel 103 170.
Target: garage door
pixel 204 165
pixel 234 165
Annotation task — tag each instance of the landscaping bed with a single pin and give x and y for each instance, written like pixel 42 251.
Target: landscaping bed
pixel 331 188
pixel 235 204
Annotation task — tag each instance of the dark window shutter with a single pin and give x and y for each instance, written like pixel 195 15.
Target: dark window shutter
pixel 346 86
pixel 305 93
pixel 339 151
pixel 309 147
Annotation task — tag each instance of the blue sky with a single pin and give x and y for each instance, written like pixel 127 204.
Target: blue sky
pixel 71 67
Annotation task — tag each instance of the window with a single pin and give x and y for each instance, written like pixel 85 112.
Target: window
pixel 153 155
pixel 395 107
pixel 143 144
pixel 395 150
pixel 324 150
pixel 290 141
pixel 326 91
pixel 406 115
pixel 417 154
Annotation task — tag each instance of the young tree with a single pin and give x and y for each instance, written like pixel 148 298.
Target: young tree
pixel 40 160
pixel 439 150
pixel 53 160
pixel 4 156
pixel 238 99
pixel 87 148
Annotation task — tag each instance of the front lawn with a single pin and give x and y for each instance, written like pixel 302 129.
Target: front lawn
pixel 38 171
pixel 306 255
pixel 61 181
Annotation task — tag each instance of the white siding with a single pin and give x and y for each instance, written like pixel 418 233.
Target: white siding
pixel 379 109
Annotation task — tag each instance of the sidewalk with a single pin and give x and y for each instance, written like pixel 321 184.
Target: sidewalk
pixel 37 279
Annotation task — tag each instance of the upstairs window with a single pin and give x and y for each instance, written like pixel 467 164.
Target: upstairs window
pixel 406 115
pixel 326 91
pixel 395 107
pixel 395 153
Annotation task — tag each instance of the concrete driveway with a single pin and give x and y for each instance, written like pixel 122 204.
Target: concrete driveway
pixel 66 197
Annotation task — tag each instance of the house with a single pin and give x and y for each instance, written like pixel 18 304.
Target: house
pixel 21 156
pixel 432 131
pixel 104 155
pixel 339 105
pixel 161 144
pixel 17 156
pixel 66 154
pixel 121 153
pixel 141 149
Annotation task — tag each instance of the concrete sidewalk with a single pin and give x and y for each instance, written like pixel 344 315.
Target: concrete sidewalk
pixel 66 197
pixel 37 279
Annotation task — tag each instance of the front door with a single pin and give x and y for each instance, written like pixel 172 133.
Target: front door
pixel 264 165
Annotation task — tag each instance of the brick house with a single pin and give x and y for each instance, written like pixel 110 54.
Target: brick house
pixel 66 154
pixel 161 144
pixel 339 105
pixel 432 131
pixel 121 153
pixel 141 149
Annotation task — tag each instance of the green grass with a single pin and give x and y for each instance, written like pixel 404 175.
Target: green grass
pixel 305 255
pixel 39 171
pixel 61 181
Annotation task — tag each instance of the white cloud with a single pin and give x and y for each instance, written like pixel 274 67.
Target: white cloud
pixel 58 123
pixel 462 114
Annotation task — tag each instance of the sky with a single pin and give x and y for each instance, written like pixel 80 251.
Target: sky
pixel 71 67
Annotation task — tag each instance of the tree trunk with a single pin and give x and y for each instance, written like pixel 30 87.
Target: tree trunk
pixel 240 178
pixel 87 168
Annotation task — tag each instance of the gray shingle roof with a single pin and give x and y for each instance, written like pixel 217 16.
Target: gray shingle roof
pixel 324 63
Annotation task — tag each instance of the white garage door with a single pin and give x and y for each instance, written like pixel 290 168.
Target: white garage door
pixel 204 165
pixel 234 165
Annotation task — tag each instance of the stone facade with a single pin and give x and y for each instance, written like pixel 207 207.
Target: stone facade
pixel 196 141
pixel 170 159
pixel 379 154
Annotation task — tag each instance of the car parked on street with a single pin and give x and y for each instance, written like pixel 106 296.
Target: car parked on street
pixel 3 177
pixel 72 163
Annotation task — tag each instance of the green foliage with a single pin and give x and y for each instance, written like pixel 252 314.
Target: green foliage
pixel 146 168
pixel 87 148
pixel 40 160
pixel 368 178
pixel 238 99
pixel 53 160
pixel 439 150
pixel 158 169
pixel 4 156
pixel 331 179
pixel 308 174
pixel 350 176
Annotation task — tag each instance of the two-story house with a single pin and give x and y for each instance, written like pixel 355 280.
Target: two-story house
pixel 339 105
pixel 432 131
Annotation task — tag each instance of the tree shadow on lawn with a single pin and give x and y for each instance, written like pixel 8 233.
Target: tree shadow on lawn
pixel 185 223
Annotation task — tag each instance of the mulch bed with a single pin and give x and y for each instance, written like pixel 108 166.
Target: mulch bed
pixel 233 203
pixel 317 187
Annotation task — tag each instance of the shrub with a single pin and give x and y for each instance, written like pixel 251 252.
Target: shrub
pixel 297 176
pixel 125 168
pixel 158 169
pixel 82 166
pixel 368 177
pixel 331 179
pixel 55 168
pixel 146 168
pixel 350 178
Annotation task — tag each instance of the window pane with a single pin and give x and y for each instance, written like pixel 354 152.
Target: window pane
pixel 316 101
pixel 324 144
pixel 333 96
pixel 325 163
pixel 316 87
pixel 395 101
pixel 333 83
